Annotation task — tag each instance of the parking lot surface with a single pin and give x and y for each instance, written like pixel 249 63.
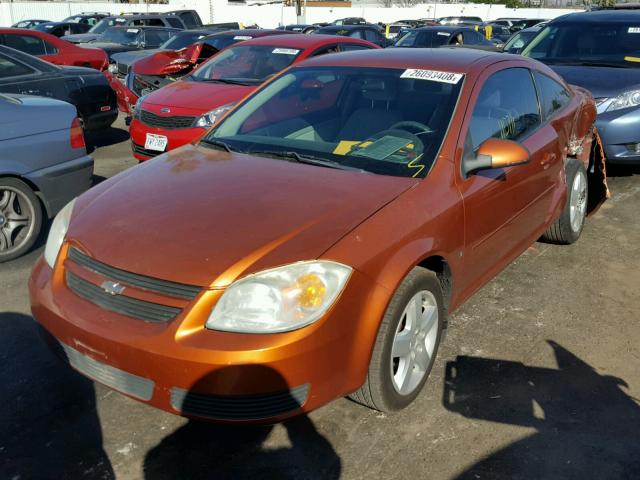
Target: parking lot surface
pixel 538 378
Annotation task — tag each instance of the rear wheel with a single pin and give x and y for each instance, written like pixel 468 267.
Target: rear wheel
pixel 406 344
pixel 568 227
pixel 20 218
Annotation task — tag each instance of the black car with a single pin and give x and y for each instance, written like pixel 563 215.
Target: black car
pixel 62 29
pixel 126 39
pixel 371 33
pixel 443 35
pixel 28 23
pixel 87 18
pixel 86 88
pixel 168 20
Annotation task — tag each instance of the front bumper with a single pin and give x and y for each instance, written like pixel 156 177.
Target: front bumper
pixel 176 138
pixel 184 369
pixel 620 132
pixel 61 183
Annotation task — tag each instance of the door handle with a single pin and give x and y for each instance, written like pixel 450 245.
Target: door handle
pixel 547 158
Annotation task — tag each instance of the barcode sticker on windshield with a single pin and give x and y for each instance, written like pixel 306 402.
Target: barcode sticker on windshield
pixel 445 34
pixel 133 30
pixel 285 51
pixel 242 37
pixel 433 75
pixel 634 30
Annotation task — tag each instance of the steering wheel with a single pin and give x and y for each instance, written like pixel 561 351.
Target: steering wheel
pixel 410 124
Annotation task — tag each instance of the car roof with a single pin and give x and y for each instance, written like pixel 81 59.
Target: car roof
pixel 302 41
pixel 597 16
pixel 446 28
pixel 460 60
pixel 347 27
pixel 249 32
pixel 145 27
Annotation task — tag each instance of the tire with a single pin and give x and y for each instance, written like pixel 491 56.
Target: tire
pixel 20 218
pixel 568 227
pixel 382 389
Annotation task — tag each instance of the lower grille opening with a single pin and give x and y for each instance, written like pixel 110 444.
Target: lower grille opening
pixel 246 407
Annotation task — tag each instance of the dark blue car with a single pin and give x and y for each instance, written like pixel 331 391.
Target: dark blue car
pixel 600 51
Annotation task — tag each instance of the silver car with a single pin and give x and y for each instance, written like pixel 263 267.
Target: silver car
pixel 43 165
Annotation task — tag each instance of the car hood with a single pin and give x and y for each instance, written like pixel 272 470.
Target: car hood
pixel 110 48
pixel 81 37
pixel 206 217
pixel 197 96
pixel 602 82
pixel 127 58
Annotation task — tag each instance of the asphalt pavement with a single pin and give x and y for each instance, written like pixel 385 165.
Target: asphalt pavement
pixel 538 378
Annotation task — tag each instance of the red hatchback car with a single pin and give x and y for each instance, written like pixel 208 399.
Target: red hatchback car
pixel 181 112
pixel 53 49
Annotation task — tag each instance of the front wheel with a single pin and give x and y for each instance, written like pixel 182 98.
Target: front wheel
pixel 568 227
pixel 406 345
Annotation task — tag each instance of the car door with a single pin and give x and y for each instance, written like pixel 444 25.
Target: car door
pixel 505 209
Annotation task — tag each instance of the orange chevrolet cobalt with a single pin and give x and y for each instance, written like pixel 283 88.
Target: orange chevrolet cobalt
pixel 311 245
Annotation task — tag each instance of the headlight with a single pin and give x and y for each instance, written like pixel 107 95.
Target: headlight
pixel 281 299
pixel 58 230
pixel 208 119
pixel 138 106
pixel 624 100
pixel 113 68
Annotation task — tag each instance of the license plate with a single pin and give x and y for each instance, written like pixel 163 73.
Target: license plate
pixel 157 143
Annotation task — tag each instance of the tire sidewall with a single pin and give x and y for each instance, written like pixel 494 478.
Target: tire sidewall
pixel 418 280
pixel 37 217
pixel 574 168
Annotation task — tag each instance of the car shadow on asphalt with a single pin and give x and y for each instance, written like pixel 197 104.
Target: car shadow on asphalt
pixel 201 450
pixel 49 424
pixel 586 426
pixel 105 137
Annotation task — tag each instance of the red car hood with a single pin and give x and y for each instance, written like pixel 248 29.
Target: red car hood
pixel 205 217
pixel 168 62
pixel 197 96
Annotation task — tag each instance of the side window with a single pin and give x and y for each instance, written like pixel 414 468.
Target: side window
pixel 356 34
pixel 50 49
pixel 155 38
pixel 371 36
pixel 155 22
pixel 351 47
pixel 325 50
pixel 10 68
pixel 174 22
pixel 472 38
pixel 553 96
pixel 507 107
pixel 26 44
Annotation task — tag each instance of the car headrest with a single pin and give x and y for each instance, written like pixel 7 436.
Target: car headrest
pixel 380 90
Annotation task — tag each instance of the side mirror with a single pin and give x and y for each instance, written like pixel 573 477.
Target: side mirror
pixel 496 153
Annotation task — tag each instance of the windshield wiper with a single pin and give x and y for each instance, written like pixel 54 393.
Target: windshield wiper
pixel 222 80
pixel 306 159
pixel 218 143
pixel 579 63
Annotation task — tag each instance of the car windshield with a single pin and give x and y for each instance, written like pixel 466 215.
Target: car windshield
pixel 246 64
pixel 606 44
pixel 218 43
pixel 181 40
pixel 424 38
pixel 105 23
pixel 380 120
pixel 123 36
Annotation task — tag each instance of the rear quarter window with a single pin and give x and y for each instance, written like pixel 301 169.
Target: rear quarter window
pixel 553 95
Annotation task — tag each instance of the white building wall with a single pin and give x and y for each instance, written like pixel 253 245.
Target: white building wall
pixel 268 16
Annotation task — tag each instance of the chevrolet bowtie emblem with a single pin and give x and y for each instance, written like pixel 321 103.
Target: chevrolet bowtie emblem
pixel 112 288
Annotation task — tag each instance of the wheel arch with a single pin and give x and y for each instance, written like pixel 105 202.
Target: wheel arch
pixel 32 186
